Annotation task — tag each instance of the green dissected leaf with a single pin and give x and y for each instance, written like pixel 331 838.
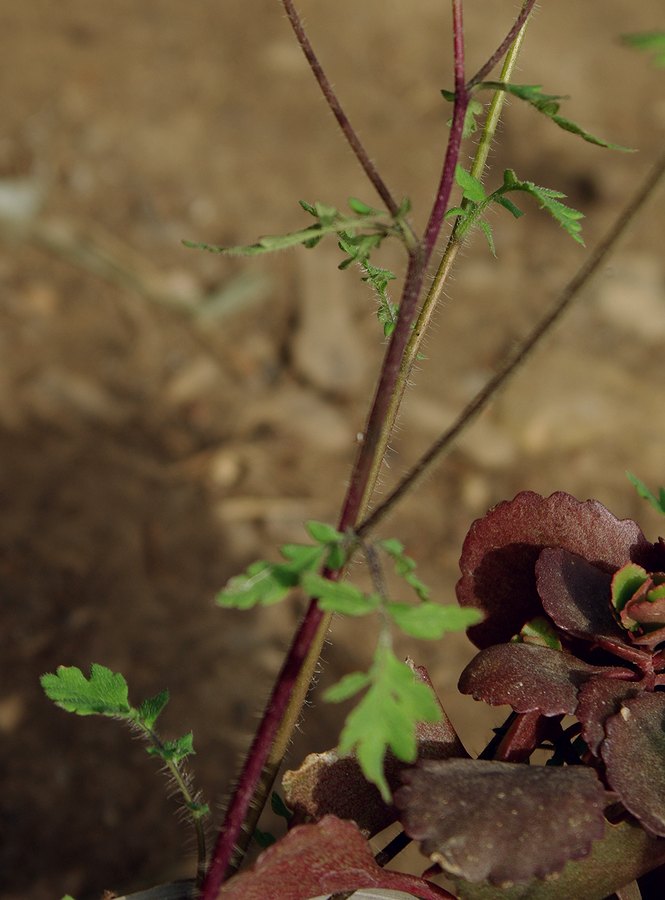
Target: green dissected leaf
pixel 651 41
pixel 104 693
pixel 430 621
pixel 386 717
pixel 644 492
pixel 405 566
pixel 330 221
pixel 548 104
pixel 174 751
pixel 258 584
pixel 339 597
pixel 267 583
pixel 150 710
pixel 549 200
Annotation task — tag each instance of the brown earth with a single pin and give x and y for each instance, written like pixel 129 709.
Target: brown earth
pixel 167 416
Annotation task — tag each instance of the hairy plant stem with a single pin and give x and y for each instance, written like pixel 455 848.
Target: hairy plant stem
pixel 435 292
pixel 189 799
pixel 522 352
pixel 303 654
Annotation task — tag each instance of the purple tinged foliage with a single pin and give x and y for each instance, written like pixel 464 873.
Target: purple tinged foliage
pixel 602 587
pixel 502 822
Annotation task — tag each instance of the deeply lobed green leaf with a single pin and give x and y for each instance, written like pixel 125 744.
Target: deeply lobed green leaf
pixel 386 717
pixel 548 105
pixel 105 693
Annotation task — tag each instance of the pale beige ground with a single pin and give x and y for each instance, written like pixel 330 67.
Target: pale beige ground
pixel 152 445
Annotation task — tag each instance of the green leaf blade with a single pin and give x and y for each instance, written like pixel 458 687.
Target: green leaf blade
pixel 387 716
pixel 150 710
pixel 430 621
pixel 105 693
pixel 339 597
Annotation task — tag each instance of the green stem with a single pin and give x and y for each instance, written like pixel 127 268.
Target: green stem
pixel 450 253
pixel 190 800
pixel 522 352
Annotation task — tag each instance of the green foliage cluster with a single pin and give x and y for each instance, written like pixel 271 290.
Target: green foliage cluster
pixel 105 693
pixel 395 700
pixel 475 202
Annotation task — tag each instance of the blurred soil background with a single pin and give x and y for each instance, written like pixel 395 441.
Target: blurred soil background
pixel 167 416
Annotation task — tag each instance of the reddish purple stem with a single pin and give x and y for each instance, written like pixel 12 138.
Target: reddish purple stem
pixel 418 261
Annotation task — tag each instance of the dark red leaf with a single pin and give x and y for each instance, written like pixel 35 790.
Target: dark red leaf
pixel 502 822
pixel 501 549
pixel 576 595
pixel 327 784
pixel 634 754
pixel 529 677
pixel 326 858
pixel 599 699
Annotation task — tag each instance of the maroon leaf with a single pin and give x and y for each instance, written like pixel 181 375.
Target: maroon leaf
pixel 529 677
pixel 327 784
pixel 599 699
pixel 502 822
pixel 326 858
pixel 634 754
pixel 577 595
pixel 501 549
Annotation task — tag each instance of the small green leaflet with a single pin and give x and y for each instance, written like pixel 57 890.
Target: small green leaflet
pixel 658 502
pixel 430 621
pixel 358 236
pixel 386 717
pixel 150 709
pixel 330 221
pixel 104 693
pixel 339 597
pixel 174 751
pixel 473 110
pixel 650 41
pixel 404 566
pixel 475 203
pixel 266 583
pixel 548 104
pixel 323 533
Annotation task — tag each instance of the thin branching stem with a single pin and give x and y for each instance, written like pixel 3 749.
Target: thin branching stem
pixel 500 51
pixel 296 671
pixel 525 349
pixel 431 301
pixel 337 110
